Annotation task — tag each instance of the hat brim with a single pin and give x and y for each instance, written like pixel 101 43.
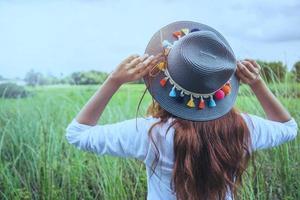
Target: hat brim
pixel 161 94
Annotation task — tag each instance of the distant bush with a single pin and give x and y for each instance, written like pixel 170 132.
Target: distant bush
pixel 12 90
pixel 88 78
pixel 296 71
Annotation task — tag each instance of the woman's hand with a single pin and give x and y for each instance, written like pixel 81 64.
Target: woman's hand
pixel 248 71
pixel 133 68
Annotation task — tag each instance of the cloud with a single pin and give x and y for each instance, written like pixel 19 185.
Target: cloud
pixel 269 21
pixel 65 36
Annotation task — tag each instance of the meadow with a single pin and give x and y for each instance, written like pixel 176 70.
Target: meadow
pixel 36 162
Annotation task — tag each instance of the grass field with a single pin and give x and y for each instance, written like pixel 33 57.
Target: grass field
pixel 36 162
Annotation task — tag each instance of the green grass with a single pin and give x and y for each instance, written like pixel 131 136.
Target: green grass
pixel 36 162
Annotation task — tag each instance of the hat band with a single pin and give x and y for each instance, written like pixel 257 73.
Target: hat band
pixel 218 94
pixel 185 91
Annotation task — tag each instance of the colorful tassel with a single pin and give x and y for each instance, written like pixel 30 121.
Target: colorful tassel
pixel 194 30
pixel 163 81
pixel 177 34
pixel 201 103
pixel 191 103
pixel 172 92
pixel 226 89
pixel 219 94
pixel 161 65
pixel 166 44
pixel 211 102
pixel 185 31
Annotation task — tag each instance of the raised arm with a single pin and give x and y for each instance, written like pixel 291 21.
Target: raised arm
pixel 132 68
pixel 248 71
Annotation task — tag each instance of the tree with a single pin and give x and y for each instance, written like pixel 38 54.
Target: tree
pixel 76 78
pixel 296 71
pixel 272 71
pixel 33 78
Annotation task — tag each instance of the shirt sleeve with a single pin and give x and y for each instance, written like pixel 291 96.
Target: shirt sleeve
pixel 122 139
pixel 267 133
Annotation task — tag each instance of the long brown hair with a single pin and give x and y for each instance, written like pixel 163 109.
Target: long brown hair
pixel 209 157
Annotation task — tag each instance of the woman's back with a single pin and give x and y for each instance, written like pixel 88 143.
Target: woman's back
pixel 122 139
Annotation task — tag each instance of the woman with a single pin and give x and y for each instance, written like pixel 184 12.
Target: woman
pixel 194 144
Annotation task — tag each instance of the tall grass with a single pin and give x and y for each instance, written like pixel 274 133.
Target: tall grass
pixel 36 162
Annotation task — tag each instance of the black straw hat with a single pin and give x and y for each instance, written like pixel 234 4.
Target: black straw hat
pixel 197 79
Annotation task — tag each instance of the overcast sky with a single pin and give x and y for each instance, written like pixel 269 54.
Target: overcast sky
pixel 63 36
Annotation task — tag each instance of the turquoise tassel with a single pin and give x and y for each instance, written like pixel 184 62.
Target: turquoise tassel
pixel 172 92
pixel 211 102
pixel 166 44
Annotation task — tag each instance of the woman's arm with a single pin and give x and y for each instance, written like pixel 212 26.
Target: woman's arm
pixel 132 68
pixel 248 72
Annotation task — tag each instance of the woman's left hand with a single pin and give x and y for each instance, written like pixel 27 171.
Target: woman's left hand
pixel 133 68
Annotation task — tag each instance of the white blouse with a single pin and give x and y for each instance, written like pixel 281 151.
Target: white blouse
pixel 124 140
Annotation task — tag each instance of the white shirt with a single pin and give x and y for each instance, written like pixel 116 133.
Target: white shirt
pixel 124 140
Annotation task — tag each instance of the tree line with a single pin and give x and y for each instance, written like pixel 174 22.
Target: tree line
pixel 33 78
pixel 91 77
pixel 271 72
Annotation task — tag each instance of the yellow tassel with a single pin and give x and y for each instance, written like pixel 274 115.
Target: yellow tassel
pixel 191 103
pixel 185 31
pixel 161 65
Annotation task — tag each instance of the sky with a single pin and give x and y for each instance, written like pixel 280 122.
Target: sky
pixel 59 37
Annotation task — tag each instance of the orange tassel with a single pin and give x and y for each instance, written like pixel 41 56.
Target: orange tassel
pixel 201 104
pixel 177 34
pixel 226 89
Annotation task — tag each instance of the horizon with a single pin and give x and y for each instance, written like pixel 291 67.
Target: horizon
pixel 61 75
pixel 61 37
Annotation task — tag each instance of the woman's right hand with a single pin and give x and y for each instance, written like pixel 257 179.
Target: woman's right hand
pixel 248 71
